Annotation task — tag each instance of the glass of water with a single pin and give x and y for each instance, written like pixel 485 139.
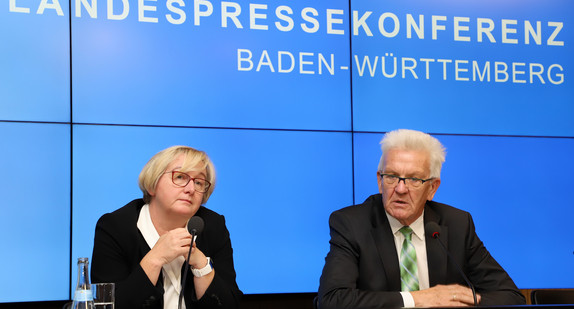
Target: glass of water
pixel 104 295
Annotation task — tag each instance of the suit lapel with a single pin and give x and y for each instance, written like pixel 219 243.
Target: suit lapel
pixel 436 257
pixel 385 244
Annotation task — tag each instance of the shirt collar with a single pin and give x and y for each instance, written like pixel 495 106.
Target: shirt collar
pixel 145 225
pixel 418 226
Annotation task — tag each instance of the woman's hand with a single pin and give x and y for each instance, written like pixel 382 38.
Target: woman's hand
pixel 196 259
pixel 169 246
pixel 172 244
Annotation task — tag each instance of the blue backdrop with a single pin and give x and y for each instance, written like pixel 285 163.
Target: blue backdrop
pixel 290 100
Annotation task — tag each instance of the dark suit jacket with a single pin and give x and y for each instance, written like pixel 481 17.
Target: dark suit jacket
pixel 362 268
pixel 119 247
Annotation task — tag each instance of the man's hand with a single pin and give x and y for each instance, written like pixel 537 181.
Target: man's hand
pixel 445 295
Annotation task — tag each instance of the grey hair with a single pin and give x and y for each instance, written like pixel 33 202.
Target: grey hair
pixel 414 140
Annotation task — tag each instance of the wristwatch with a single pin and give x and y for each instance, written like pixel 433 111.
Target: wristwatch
pixel 200 272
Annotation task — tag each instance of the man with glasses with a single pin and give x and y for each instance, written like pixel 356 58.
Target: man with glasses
pixel 381 256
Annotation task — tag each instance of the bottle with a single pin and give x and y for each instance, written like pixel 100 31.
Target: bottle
pixel 83 298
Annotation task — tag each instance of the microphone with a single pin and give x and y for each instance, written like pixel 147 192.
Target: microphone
pixel 195 226
pixel 433 229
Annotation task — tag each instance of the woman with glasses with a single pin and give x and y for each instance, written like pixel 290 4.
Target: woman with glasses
pixel 143 246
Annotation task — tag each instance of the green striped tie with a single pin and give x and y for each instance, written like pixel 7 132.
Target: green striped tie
pixel 409 279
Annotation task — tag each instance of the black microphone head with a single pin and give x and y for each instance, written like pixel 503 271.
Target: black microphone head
pixel 433 229
pixel 195 223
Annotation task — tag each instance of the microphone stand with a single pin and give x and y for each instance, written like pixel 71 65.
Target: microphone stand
pixel 186 270
pixel 436 235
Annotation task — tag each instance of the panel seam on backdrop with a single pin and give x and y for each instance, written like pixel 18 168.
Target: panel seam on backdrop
pixel 204 127
pixel 275 129
pixel 71 121
pixel 351 106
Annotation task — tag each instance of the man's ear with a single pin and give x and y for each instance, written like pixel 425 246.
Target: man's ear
pixel 380 182
pixel 435 183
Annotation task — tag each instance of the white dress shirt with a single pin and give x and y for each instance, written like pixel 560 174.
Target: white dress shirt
pixel 418 241
pixel 171 272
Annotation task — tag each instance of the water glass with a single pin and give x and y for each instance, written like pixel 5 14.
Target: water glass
pixel 104 295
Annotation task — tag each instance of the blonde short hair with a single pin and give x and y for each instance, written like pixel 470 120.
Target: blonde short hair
pixel 414 140
pixel 157 165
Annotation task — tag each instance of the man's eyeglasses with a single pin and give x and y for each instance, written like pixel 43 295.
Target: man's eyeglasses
pixel 181 179
pixel 411 182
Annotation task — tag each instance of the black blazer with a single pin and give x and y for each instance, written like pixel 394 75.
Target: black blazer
pixel 362 268
pixel 119 247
